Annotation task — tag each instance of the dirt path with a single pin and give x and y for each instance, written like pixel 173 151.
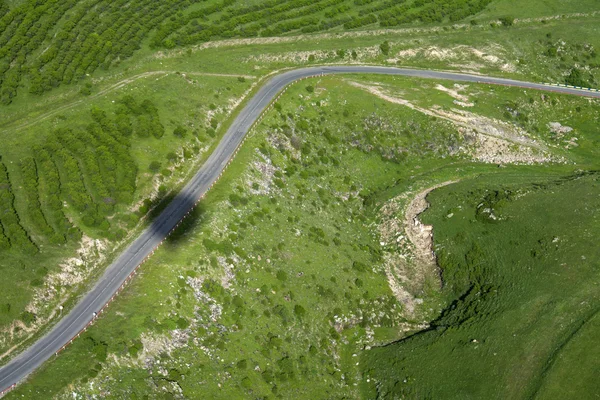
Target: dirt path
pixel 485 127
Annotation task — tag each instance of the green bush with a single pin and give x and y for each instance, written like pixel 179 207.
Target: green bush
pixel 385 48
pixel 180 131
pixel 507 20
pixel 28 317
pixel 154 167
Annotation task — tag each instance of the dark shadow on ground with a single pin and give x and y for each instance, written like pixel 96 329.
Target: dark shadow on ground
pixel 188 224
pixel 172 209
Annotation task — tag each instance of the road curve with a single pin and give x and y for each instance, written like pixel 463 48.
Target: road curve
pixel 123 268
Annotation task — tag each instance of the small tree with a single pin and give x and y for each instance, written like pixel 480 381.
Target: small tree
pixel 281 275
pixel 310 88
pixel 385 48
pixel 154 167
pixel 299 311
pixel 172 156
pixel 507 20
pixel 552 52
pixel 576 78
pixel 28 317
pixel 180 131
pixel 354 55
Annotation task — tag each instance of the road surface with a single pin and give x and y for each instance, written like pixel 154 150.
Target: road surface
pixel 125 265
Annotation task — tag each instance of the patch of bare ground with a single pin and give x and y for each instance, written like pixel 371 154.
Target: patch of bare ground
pixel 260 176
pixel 298 57
pixel 485 139
pixel 455 92
pixel 155 346
pixel 461 56
pixel 556 17
pixel 409 260
pixel 57 288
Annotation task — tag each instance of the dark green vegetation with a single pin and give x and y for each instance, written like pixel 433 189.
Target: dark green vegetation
pixel 44 44
pixel 519 261
pixel 275 17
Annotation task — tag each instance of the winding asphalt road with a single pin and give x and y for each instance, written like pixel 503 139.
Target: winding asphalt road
pixel 123 268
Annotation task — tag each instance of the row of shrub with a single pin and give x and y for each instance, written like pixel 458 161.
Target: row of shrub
pixel 78 37
pixel 50 201
pixel 30 186
pixel 12 234
pixel 276 17
pixel 90 168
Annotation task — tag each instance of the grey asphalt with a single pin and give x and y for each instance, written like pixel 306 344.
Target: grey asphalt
pixel 123 267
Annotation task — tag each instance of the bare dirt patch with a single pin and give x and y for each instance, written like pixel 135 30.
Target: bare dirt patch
pixel 454 92
pixel 486 139
pixel 57 288
pixel 409 260
pixel 461 56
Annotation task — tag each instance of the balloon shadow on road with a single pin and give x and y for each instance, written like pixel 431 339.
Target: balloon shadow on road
pixel 166 217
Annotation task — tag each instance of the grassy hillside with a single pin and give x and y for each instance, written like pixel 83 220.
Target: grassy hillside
pixel 232 310
pixel 519 263
pixel 77 184
pixel 107 106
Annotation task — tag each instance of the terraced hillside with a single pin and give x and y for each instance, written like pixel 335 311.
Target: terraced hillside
pixel 292 268
pixel 303 256
pixel 49 43
pixel 77 185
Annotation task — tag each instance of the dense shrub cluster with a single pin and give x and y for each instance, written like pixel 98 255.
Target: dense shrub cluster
pixel 12 233
pixel 276 17
pixel 52 42
pixel 89 169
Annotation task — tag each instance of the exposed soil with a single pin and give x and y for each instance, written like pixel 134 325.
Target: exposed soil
pixel 408 259
pixel 486 139
pixel 461 56
pixel 57 288
pixel 455 91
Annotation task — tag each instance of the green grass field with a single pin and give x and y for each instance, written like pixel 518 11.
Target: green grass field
pixel 231 310
pixel 103 115
pixel 520 270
